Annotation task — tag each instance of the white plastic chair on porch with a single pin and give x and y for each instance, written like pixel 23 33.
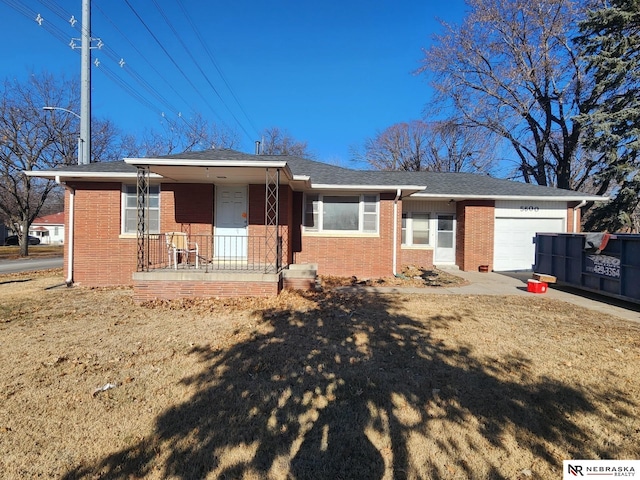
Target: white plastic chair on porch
pixel 178 244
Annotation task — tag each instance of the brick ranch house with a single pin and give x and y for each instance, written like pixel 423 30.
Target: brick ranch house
pixel 254 224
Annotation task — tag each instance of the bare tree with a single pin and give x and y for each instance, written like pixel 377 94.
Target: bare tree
pixel 34 139
pixel 182 135
pixel 106 141
pixel 445 146
pixel 401 146
pixel 278 142
pixel 510 69
pixel 454 147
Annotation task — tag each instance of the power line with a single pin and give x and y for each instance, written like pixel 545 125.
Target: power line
pixel 39 19
pixel 61 12
pixel 215 63
pixel 197 64
pixel 151 66
pixel 124 66
pixel 66 16
pixel 127 88
pixel 64 38
pixel 186 77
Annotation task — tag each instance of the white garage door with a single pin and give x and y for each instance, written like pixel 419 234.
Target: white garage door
pixel 513 241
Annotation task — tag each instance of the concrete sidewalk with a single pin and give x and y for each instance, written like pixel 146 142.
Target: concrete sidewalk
pixel 516 284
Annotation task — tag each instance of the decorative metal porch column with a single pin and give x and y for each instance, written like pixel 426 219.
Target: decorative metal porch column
pixel 142 204
pixel 271 218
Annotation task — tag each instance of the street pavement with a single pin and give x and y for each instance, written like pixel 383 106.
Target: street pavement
pixel 29 264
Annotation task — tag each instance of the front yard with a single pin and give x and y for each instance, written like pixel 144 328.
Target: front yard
pixel 322 385
pixel 13 252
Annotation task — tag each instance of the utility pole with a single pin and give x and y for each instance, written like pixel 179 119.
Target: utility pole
pixel 85 83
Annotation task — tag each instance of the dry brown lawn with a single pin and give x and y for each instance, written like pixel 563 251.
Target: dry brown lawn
pixel 13 252
pixel 323 385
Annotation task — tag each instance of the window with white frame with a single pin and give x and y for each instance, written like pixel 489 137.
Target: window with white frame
pixel 130 209
pixel 341 213
pixel 415 229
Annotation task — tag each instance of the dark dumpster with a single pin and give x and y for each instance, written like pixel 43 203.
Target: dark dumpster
pixel 608 264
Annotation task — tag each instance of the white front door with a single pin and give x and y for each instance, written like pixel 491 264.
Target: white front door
pixel 231 222
pixel 445 239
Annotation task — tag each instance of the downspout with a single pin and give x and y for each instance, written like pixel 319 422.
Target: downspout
pixel 72 193
pixel 395 232
pixel 575 218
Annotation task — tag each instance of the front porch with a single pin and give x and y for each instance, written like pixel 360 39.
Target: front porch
pixel 176 264
pixel 222 235
pixel 217 266
pixel 174 252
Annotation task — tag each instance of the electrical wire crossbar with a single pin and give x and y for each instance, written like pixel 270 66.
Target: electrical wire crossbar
pixel 126 77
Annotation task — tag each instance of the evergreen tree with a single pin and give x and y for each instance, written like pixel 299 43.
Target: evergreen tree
pixel 610 43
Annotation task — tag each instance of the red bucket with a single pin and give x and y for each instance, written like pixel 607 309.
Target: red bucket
pixel 536 286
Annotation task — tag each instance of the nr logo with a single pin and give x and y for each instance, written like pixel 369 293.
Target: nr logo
pixel 575 470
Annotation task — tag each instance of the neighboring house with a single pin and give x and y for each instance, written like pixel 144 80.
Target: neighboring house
pixel 49 229
pixel 262 222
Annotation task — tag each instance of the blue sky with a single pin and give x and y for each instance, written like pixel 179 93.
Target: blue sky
pixel 331 73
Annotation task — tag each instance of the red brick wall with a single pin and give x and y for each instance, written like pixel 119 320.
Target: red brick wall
pixel 305 284
pixel 570 218
pixel 417 257
pixel 100 257
pixel 359 256
pixel 186 208
pixel 474 234
pixel 257 213
pixel 145 290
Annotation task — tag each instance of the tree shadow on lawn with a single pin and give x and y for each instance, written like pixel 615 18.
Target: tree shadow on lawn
pixel 338 392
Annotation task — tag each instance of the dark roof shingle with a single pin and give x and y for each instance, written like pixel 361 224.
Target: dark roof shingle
pixel 437 183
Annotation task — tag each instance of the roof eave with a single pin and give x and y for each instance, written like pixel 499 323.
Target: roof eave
pixel 564 198
pixel 367 188
pixel 70 174
pixel 179 162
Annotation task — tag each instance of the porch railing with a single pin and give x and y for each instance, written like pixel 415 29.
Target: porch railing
pixel 214 253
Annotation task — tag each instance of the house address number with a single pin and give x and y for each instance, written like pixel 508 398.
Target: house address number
pixel 529 208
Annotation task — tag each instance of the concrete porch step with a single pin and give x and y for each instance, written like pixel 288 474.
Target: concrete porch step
pixel 301 270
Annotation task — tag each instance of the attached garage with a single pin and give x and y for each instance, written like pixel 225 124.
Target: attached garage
pixel 516 225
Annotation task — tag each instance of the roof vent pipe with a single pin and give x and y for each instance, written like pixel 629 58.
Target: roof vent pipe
pixel 257 147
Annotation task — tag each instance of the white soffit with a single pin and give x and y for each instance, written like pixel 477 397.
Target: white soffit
pixel 211 171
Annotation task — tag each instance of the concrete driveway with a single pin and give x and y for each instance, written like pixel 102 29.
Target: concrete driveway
pixel 515 283
pixel 508 283
pixel 576 296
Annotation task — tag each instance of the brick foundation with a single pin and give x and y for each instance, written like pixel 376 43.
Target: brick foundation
pixel 417 257
pixel 145 290
pixel 305 284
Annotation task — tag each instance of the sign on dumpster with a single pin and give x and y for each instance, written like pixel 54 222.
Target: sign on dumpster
pixel 604 265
